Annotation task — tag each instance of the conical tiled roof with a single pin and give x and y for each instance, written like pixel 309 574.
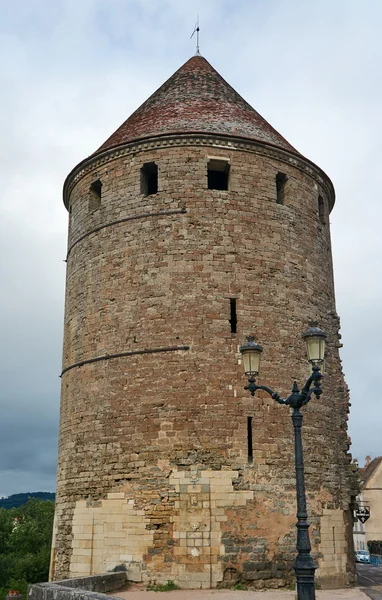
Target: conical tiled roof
pixel 196 99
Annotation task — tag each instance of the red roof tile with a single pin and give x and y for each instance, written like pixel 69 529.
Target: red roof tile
pixel 196 99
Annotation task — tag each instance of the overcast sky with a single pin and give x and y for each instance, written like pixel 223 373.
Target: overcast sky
pixel 73 70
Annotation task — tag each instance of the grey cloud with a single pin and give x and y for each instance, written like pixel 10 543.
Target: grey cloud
pixel 76 70
pixel 28 446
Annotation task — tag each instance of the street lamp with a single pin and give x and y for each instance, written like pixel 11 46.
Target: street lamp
pixel 315 346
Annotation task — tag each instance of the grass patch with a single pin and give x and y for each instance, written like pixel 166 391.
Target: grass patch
pixel 162 587
pixel 240 587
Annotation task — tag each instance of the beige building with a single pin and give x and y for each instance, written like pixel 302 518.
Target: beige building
pixel 371 497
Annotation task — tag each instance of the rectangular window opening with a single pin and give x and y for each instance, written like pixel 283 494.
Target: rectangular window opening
pixel 281 180
pixel 95 193
pixel 249 437
pixel 149 179
pixel 321 210
pixel 218 174
pixel 233 319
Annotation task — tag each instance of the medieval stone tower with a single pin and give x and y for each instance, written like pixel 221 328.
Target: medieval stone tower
pixel 192 226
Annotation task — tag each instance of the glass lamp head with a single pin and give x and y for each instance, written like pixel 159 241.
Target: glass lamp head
pixel 315 344
pixel 251 353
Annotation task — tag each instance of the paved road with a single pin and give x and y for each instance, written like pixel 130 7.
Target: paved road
pixel 136 592
pixel 370 580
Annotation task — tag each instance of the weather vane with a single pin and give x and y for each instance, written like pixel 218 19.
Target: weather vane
pixel 196 29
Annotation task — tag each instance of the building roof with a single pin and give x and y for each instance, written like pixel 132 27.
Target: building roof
pixel 370 468
pixel 196 99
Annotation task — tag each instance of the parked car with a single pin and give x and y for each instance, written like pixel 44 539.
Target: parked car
pixel 362 556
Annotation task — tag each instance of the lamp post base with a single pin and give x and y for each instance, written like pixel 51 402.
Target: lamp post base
pixel 305 591
pixel 305 580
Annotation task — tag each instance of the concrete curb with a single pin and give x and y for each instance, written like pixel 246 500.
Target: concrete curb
pixel 95 587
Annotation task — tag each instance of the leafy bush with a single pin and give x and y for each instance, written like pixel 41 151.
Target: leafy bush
pixel 25 540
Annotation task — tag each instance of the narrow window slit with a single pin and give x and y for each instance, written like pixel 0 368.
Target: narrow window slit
pixel 218 174
pixel 249 437
pixel 321 210
pixel 149 179
pixel 281 180
pixel 95 193
pixel 233 319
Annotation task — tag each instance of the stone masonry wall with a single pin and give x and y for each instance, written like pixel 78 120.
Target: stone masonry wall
pixel 138 431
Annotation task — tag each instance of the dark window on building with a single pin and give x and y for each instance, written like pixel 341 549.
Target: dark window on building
pixel 321 210
pixel 218 174
pixel 233 318
pixel 249 437
pixel 149 179
pixel 95 193
pixel 281 180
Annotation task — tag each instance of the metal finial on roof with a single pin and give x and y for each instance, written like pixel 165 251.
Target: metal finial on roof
pixel 196 29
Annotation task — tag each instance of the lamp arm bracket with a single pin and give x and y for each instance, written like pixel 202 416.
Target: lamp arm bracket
pixel 280 400
pixel 306 387
pixel 317 391
pixel 296 399
pixel 307 390
pixel 273 395
pixel 267 389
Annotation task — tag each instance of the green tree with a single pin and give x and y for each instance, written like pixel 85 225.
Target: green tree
pixel 25 541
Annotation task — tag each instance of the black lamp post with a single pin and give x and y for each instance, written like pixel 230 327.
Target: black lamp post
pixel 315 345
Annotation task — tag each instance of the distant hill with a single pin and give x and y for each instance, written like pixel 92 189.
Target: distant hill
pixel 18 499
